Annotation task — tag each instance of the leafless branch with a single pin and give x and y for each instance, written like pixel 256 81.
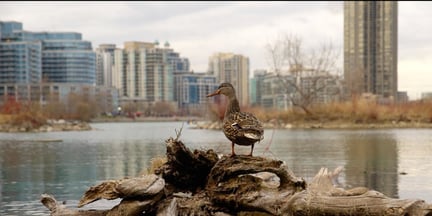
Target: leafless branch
pixel 302 74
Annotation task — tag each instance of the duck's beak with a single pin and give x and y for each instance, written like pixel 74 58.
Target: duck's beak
pixel 214 93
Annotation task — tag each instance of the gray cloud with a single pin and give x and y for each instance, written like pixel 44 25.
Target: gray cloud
pixel 199 29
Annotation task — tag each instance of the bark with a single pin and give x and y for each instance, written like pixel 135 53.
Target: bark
pixel 186 170
pixel 200 183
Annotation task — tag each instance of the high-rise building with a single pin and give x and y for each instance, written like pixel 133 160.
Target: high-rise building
pixel 191 90
pixel 20 60
pixel 255 87
pixel 56 57
pixel 105 64
pixel 130 70
pixel 232 68
pixel 47 67
pixel 144 72
pixel 66 58
pixel 179 64
pixel 370 47
pixel 270 90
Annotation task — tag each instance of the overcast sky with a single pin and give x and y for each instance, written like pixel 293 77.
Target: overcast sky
pixel 198 29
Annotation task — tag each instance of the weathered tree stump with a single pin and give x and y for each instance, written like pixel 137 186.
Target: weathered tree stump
pixel 186 170
pixel 200 183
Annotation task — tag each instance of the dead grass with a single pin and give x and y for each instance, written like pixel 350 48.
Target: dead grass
pixel 155 163
pixel 5 118
pixel 361 111
pixel 28 119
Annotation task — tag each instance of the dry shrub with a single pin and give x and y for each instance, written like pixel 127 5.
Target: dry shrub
pixel 332 111
pixel 261 113
pixel 155 163
pixel 55 110
pixel 28 120
pixel 420 111
pixel 356 111
pixel 5 118
pixel 29 116
pixel 84 111
pixel 289 115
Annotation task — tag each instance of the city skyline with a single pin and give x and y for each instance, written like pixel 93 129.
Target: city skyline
pixel 370 48
pixel 197 30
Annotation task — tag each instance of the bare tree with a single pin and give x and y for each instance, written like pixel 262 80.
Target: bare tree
pixel 353 86
pixel 130 107
pixel 163 108
pixel 55 109
pixel 81 106
pixel 304 75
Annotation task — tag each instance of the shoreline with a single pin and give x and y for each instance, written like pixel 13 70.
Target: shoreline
pixel 325 125
pixel 50 126
pixel 201 123
pixel 145 119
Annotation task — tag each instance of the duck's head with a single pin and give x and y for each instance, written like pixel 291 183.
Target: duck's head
pixel 225 88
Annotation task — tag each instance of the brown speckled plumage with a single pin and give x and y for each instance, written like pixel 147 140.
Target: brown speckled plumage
pixel 240 127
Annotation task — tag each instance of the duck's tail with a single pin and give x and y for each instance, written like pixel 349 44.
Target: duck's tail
pixel 250 132
pixel 254 134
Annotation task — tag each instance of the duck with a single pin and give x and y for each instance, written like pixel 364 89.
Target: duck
pixel 241 128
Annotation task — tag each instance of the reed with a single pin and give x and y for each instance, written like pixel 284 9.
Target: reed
pixel 360 111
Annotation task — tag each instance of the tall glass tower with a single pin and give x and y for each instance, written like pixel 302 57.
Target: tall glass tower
pixel 34 57
pixel 67 60
pixel 20 61
pixel 370 47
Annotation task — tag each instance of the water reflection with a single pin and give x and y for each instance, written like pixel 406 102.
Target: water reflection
pixel 129 158
pixel 369 158
pixel 67 168
pixel 372 161
pixel 307 151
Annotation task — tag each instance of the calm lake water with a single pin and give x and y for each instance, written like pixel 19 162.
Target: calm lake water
pixel 395 162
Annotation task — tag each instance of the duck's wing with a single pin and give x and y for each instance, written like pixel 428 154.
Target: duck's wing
pixel 247 120
pixel 247 125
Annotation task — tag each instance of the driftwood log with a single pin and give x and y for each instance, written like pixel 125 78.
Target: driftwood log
pixel 201 183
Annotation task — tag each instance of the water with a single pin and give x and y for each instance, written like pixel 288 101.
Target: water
pixel 392 161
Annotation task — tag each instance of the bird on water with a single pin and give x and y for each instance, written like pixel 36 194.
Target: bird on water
pixel 240 128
